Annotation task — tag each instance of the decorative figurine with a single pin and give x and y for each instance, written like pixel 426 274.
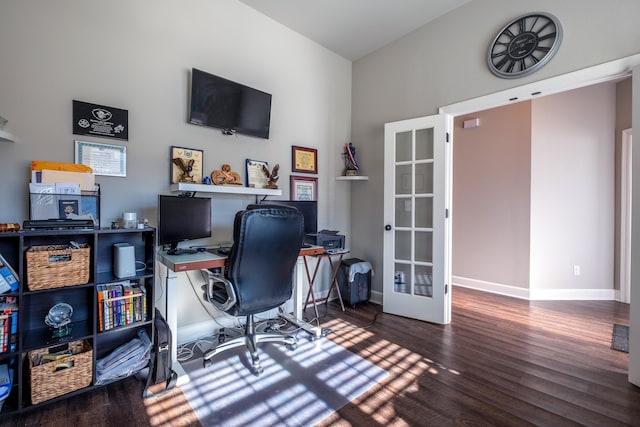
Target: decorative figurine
pixel 186 169
pixel 225 176
pixel 350 163
pixel 59 319
pixel 272 178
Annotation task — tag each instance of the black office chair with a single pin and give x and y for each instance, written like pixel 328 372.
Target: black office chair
pixel 258 275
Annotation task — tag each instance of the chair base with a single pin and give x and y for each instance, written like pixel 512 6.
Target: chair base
pixel 250 339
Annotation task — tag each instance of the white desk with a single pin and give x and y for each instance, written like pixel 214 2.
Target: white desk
pixel 206 260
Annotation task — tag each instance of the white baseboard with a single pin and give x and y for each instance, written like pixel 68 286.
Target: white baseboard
pixel 573 294
pixel 495 288
pixel 376 297
pixel 535 294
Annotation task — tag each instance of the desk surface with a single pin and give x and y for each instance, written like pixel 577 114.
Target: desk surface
pixel 204 260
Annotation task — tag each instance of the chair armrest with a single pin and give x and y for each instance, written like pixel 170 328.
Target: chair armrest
pixel 220 292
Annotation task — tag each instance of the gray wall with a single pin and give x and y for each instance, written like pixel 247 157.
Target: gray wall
pixel 444 63
pixel 138 55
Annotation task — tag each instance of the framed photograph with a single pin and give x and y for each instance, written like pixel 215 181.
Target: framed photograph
pixel 186 165
pixel 304 188
pixel 304 160
pixel 256 178
pixel 104 159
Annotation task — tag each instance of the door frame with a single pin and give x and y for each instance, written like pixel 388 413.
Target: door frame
pixel 624 263
pixel 609 71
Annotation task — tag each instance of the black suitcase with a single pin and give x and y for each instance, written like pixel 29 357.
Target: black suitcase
pixel 356 290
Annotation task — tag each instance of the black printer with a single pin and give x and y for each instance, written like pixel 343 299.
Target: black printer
pixel 328 239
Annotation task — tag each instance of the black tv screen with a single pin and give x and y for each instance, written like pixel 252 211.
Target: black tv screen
pixel 227 105
pixel 181 219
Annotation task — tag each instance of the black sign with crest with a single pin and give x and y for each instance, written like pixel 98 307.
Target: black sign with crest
pixel 100 120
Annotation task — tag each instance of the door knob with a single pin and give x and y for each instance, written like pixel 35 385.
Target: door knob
pixel 387 227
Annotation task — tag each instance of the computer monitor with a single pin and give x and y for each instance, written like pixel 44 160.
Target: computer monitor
pixel 309 210
pixel 181 219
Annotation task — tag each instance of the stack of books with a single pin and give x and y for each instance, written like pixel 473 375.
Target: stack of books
pixel 8 323
pixel 120 304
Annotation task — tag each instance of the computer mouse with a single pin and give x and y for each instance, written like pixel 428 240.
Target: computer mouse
pixel 201 249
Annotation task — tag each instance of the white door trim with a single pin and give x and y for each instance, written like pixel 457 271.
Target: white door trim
pixel 625 216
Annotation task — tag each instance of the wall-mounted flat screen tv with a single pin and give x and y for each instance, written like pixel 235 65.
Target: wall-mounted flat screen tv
pixel 227 105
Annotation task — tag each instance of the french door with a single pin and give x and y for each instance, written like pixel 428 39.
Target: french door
pixel 416 238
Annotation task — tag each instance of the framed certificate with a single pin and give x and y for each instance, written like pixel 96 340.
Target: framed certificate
pixel 304 188
pixel 104 159
pixel 304 160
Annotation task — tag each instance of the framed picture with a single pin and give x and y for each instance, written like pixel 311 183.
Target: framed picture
pixel 186 165
pixel 304 188
pixel 304 160
pixel 256 178
pixel 104 159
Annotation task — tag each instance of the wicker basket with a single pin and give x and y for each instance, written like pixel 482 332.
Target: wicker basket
pixel 47 382
pixel 57 266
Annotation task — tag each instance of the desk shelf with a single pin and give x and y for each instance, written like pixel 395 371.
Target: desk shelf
pixel 225 189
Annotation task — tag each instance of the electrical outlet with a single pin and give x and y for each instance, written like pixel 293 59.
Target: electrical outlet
pixel 576 270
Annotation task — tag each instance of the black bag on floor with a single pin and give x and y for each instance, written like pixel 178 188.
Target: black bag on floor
pixel 160 364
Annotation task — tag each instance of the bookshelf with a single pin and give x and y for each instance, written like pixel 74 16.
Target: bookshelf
pixel 33 303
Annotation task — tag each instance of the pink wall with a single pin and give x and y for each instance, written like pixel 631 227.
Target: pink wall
pixel 491 197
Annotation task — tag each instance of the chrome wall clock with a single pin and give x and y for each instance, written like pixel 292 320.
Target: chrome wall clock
pixel 524 45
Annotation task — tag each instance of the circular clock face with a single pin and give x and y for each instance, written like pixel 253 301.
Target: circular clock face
pixel 525 45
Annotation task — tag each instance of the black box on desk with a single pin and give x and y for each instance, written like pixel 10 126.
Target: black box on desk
pixel 356 287
pixel 327 241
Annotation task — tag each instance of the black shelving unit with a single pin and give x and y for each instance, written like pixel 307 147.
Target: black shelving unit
pixel 33 305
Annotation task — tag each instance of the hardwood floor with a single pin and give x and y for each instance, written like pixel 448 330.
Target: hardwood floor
pixel 501 362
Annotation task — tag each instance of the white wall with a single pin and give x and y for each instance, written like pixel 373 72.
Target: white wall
pixel 572 193
pixel 137 56
pixel 444 63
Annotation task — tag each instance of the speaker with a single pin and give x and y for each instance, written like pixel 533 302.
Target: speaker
pixel 124 260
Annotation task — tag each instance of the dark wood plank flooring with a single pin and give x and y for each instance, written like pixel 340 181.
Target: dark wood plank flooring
pixel 501 362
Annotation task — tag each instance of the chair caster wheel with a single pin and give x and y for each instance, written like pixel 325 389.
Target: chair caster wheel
pixel 291 347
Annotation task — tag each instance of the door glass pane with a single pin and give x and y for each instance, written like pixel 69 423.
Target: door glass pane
pixel 423 281
pixel 424 144
pixel 403 179
pixel 424 178
pixel 403 245
pixel 424 246
pixel 402 278
pixel 424 212
pixel 403 146
pixel 404 212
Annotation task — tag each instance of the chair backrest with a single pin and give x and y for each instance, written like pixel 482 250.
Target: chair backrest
pixel 267 241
